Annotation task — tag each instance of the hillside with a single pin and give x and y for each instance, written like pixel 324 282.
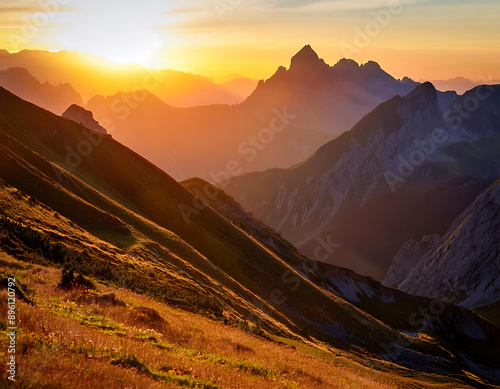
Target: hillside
pixel 445 321
pixel 215 252
pixel 111 336
pixel 115 217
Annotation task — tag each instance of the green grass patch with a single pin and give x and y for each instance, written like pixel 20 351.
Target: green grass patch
pixel 85 316
pixel 249 367
pixel 132 362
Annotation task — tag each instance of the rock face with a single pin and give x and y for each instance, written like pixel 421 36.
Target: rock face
pixel 84 117
pixel 466 257
pixel 400 173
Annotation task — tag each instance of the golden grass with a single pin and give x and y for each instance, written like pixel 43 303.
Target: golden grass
pixel 115 338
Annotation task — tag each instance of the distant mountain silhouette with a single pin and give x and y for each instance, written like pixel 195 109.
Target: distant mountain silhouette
pixel 307 105
pixel 458 84
pixel 106 78
pixel 54 98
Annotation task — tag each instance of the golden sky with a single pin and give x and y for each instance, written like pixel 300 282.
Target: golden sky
pixel 423 39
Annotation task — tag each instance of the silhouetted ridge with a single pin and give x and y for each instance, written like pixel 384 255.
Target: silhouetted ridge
pixel 425 91
pixel 306 58
pixel 372 66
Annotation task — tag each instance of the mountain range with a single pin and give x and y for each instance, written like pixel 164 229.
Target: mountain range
pixel 336 211
pixel 405 170
pixel 459 85
pixel 114 216
pixel 285 120
pixel 106 78
pixel 54 98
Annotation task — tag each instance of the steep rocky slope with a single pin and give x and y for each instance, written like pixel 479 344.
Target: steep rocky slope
pixel 467 257
pixel 405 170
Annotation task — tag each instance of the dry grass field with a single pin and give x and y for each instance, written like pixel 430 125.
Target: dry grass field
pixel 114 338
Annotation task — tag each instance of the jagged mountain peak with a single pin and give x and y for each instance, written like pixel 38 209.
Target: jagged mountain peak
pixel 350 65
pixel 306 58
pixel 346 63
pixel 425 93
pixel 371 65
pixel 306 53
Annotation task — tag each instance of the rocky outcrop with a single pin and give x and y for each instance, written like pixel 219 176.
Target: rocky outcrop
pixel 83 117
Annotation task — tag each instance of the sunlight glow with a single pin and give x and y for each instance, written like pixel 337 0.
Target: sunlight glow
pixel 117 31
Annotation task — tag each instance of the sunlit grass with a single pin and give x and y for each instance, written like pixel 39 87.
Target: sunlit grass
pixel 80 339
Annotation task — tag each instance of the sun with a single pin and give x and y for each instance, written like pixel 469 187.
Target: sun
pixel 130 52
pixel 124 33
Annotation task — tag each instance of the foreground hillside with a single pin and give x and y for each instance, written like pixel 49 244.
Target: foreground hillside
pixel 140 214
pixel 116 218
pixel 109 337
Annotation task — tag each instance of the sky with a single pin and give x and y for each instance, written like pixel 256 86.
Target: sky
pixel 423 39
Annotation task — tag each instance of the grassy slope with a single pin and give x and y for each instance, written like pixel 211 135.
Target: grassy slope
pixel 234 212
pixel 208 257
pixel 393 307
pixel 248 268
pixel 113 337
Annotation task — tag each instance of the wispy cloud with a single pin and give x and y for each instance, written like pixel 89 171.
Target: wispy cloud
pixel 314 6
pixel 27 7
pixel 15 14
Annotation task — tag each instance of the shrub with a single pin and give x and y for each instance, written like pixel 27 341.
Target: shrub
pixel 69 280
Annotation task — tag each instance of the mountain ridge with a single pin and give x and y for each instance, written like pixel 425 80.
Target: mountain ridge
pixel 402 152
pixel 55 98
pixel 321 105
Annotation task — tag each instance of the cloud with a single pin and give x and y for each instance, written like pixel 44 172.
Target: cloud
pixel 316 6
pixel 28 7
pixel 183 11
pixel 15 15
